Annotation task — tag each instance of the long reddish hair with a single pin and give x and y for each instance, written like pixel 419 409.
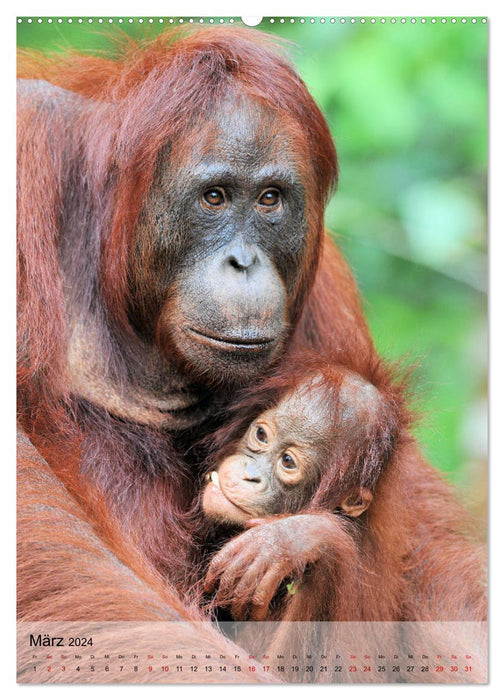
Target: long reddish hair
pixel 152 95
pixel 89 140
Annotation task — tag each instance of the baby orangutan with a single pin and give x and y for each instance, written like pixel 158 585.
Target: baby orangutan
pixel 282 457
pixel 304 468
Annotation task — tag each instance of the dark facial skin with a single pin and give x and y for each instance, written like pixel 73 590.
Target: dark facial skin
pixel 279 461
pixel 219 247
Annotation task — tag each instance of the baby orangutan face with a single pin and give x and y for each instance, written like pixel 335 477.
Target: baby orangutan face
pixel 278 463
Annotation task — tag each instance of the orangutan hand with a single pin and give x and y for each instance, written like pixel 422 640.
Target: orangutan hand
pixel 247 571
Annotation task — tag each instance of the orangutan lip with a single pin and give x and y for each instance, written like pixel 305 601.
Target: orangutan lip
pixel 232 343
pixel 214 478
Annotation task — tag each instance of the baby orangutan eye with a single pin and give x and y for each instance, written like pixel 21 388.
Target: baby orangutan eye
pixel 288 462
pixel 261 435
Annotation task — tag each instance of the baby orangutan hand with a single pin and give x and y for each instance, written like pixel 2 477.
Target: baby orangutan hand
pixel 247 571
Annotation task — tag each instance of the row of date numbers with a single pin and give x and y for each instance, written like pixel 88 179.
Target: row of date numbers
pixel 265 669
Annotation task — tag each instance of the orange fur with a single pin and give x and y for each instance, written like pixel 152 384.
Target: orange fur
pixel 105 527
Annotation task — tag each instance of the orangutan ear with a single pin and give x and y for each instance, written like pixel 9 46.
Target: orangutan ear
pixel 357 502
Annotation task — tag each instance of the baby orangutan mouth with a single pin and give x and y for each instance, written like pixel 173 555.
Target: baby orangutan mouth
pixel 217 504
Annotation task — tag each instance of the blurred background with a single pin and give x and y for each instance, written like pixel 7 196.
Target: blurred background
pixel 407 105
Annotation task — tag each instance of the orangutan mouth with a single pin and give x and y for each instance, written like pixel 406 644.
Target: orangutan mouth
pixel 251 344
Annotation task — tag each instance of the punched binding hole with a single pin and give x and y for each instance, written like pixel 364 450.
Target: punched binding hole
pixel 251 21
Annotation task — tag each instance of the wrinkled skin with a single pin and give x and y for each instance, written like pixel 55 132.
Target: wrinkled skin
pixel 248 570
pixel 219 245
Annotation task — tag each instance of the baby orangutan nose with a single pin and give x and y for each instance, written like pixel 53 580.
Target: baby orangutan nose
pixel 243 476
pixel 252 472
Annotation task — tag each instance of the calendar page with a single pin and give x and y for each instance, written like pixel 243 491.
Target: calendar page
pixel 252 349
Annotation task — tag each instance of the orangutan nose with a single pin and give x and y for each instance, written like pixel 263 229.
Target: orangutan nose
pixel 252 472
pixel 241 257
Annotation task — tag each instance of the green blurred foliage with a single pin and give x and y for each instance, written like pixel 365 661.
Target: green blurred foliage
pixel 407 105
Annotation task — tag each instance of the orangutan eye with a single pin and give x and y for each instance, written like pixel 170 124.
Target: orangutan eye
pixel 288 462
pixel 269 198
pixel 261 435
pixel 214 197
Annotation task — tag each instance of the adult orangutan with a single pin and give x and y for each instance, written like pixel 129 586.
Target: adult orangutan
pixel 171 249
